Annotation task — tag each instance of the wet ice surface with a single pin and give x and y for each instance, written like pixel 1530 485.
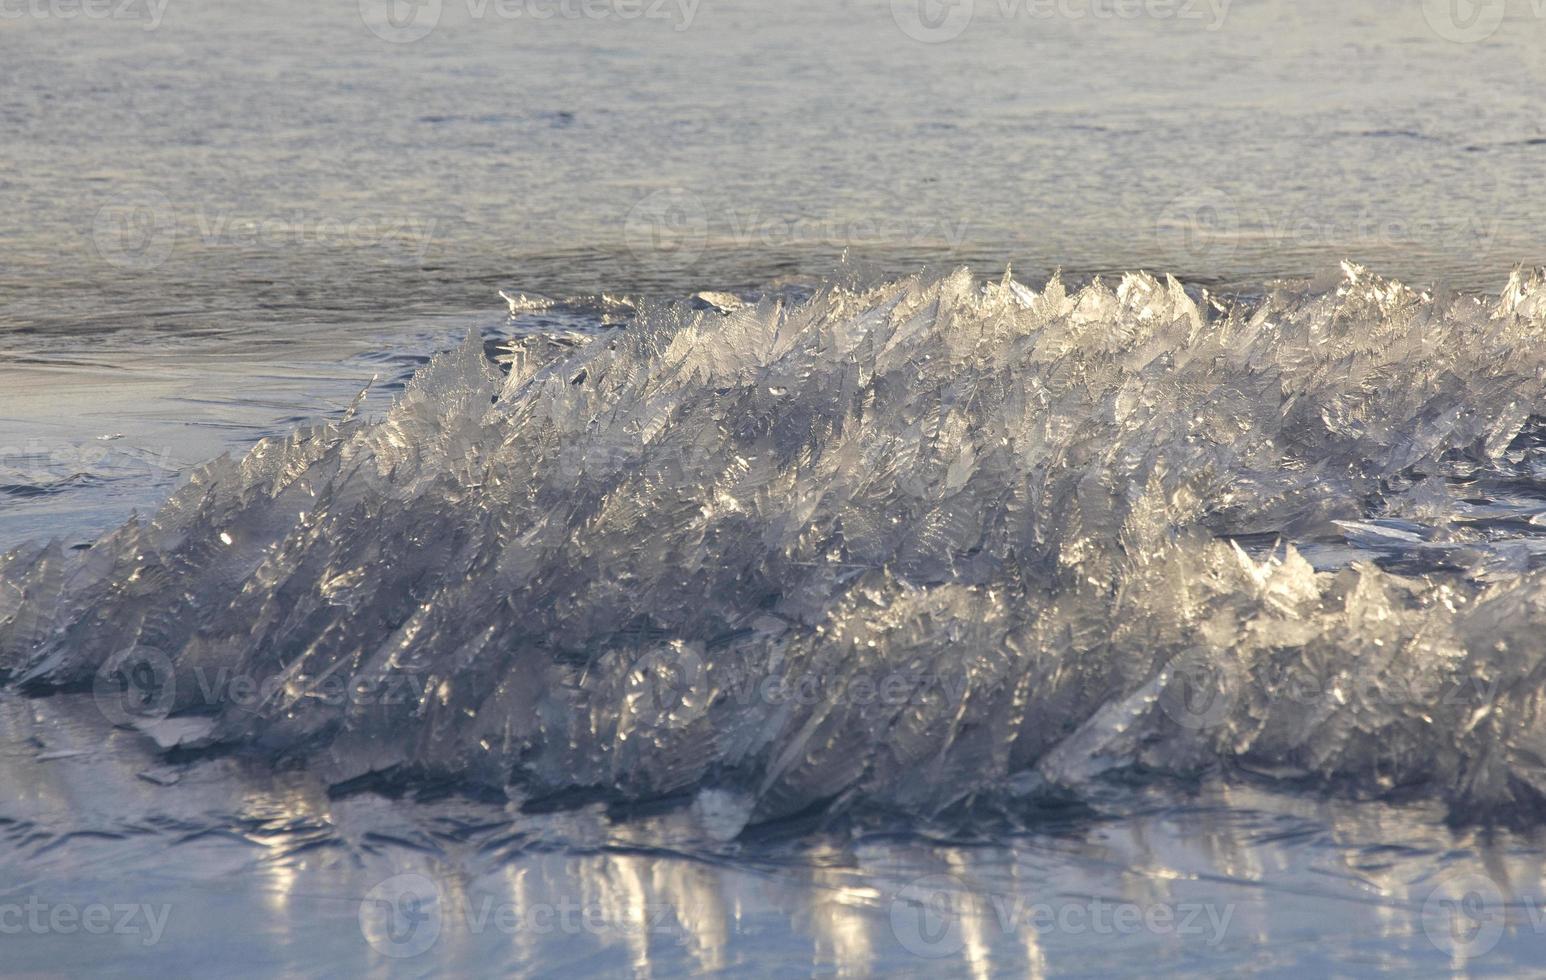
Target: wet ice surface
pixel 212 863
pixel 92 431
pixel 1125 592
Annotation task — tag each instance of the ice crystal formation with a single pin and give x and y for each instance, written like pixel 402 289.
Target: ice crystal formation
pixel 903 546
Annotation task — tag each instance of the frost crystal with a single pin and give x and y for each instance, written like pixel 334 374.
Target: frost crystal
pixel 902 546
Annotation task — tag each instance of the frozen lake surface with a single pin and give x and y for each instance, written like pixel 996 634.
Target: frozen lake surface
pixel 1208 609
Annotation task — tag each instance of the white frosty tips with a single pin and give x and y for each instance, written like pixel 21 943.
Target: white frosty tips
pixel 906 546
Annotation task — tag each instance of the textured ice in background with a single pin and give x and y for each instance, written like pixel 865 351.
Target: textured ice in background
pixel 902 546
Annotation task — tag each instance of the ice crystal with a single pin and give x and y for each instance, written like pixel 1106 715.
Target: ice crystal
pixel 903 545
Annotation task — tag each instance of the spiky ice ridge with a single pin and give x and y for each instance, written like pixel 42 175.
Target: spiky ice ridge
pixel 901 546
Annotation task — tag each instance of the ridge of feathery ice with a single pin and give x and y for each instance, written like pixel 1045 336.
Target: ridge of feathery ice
pixel 905 546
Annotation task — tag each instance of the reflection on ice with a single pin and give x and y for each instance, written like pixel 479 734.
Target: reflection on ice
pixel 1218 877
